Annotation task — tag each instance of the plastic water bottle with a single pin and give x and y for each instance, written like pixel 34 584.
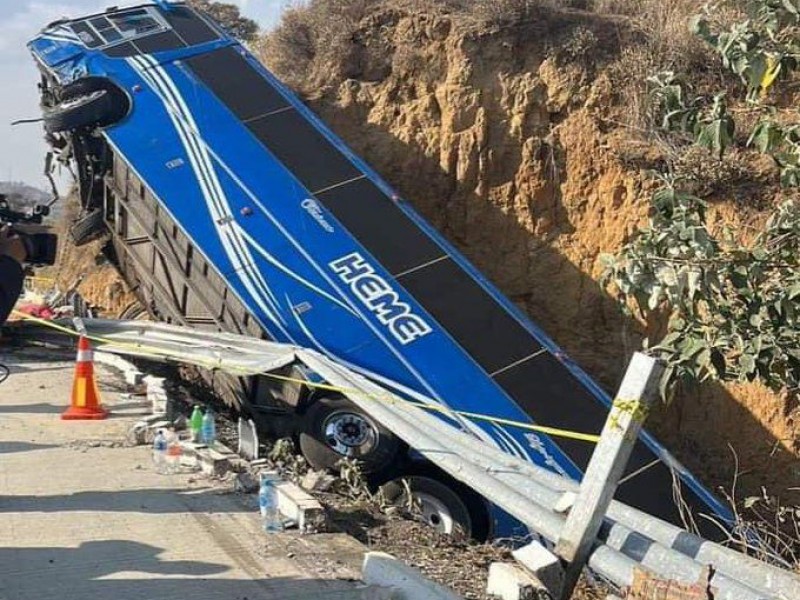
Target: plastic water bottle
pixel 268 504
pixel 196 424
pixel 208 430
pixel 160 452
pixel 173 455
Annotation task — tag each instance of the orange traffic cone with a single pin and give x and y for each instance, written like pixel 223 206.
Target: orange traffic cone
pixel 85 397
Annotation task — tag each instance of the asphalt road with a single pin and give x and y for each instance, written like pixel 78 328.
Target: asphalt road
pixel 82 516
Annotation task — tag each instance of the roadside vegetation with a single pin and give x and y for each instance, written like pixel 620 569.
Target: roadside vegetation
pixel 708 91
pixel 230 17
pixel 730 296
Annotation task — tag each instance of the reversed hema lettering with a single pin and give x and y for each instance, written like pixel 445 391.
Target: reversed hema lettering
pixel 380 298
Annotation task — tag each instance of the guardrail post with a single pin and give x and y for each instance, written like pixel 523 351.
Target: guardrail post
pixel 637 393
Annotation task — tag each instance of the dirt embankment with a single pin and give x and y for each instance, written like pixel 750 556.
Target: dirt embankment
pixel 86 270
pixel 514 142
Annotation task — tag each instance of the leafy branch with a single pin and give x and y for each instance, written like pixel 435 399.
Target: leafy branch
pixel 706 120
pixel 783 145
pixel 761 49
pixel 732 309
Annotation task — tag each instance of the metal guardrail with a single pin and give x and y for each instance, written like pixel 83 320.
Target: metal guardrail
pixel 630 540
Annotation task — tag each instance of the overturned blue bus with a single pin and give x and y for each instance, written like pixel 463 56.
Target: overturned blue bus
pixel 229 205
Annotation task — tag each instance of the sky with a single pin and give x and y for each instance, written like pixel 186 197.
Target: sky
pixel 21 148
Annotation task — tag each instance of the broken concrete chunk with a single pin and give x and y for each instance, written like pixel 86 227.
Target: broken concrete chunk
pixel 156 394
pixel 155 381
pixel 509 582
pixel 212 463
pixel 133 378
pixel 317 481
pixel 158 402
pixel 296 504
pixel 543 565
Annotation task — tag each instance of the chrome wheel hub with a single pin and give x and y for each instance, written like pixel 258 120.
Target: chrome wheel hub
pixel 350 434
pixel 434 512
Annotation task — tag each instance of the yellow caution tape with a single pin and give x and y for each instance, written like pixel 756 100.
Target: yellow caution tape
pixel 140 349
pixel 573 435
pixel 156 352
pixel 635 408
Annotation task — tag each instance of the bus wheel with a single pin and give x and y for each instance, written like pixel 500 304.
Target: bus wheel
pixel 335 428
pixel 87 103
pixel 84 111
pixel 451 508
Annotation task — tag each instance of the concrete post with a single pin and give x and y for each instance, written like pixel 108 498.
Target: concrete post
pixel 638 391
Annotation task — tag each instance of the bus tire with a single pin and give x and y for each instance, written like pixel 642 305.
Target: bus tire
pixel 334 428
pixel 441 502
pixel 82 112
pixel 87 103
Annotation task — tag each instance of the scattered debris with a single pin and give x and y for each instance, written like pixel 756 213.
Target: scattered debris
pixel 348 504
pixel 317 481
pixel 542 565
pixel 646 587
pixel 215 461
pixel 509 582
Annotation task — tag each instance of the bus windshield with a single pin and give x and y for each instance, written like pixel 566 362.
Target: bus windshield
pixel 113 28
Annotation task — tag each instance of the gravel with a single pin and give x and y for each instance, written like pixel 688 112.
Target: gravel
pixel 460 564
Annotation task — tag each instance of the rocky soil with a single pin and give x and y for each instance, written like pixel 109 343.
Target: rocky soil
pixel 86 270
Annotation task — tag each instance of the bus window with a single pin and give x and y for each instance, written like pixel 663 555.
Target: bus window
pixel 135 22
pixel 106 30
pixel 113 28
pixel 87 35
